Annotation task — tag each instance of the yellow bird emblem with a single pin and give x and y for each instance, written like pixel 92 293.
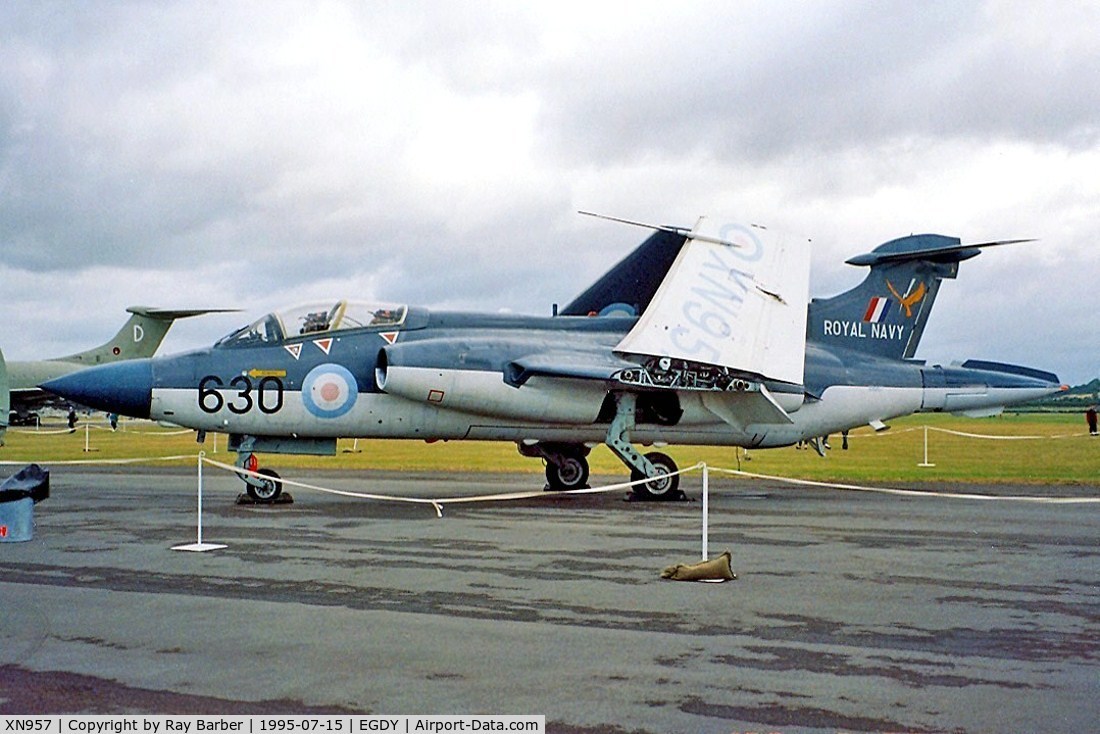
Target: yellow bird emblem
pixel 910 299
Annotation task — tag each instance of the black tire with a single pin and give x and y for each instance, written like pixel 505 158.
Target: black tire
pixel 572 474
pixel 270 490
pixel 661 488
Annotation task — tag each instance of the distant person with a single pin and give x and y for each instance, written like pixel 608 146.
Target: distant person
pixel 1090 416
pixel 72 419
pixel 844 441
pixel 113 418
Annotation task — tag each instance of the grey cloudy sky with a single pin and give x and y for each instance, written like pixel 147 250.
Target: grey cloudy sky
pixel 259 154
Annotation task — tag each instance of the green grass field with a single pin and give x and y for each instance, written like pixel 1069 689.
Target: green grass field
pixel 1063 453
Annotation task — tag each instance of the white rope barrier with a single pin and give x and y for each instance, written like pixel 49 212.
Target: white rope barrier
pixel 151 434
pixel 911 492
pixel 1002 437
pixel 39 432
pixel 530 494
pixel 108 462
pixel 439 502
pixel 863 433
pixel 99 427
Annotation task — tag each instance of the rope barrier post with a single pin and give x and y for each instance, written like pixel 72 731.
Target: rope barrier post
pixel 87 442
pixel 198 522
pixel 925 462
pixel 706 508
pixel 198 546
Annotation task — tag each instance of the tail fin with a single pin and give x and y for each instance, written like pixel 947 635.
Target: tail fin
pixel 886 314
pixel 139 336
pixel 629 286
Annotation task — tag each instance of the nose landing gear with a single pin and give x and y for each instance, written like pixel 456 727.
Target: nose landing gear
pixel 267 488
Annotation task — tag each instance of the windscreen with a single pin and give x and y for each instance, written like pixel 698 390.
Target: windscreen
pixel 317 318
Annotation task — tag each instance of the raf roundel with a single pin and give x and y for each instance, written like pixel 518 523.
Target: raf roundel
pixel 329 391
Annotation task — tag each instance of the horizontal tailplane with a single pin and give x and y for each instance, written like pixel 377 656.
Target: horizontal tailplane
pixel 1011 369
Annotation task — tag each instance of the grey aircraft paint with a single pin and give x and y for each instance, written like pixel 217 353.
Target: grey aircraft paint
pixel 555 385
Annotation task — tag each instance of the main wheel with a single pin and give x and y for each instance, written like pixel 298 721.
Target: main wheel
pixel 664 486
pixel 570 473
pixel 270 488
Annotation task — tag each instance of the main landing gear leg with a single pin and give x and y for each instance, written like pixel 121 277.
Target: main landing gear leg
pixel 665 483
pixel 266 489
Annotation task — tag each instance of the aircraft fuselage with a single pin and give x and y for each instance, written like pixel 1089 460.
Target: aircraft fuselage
pixel 329 387
pixel 696 337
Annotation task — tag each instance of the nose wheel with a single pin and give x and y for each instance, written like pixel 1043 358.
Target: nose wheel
pixel 264 488
pixel 268 489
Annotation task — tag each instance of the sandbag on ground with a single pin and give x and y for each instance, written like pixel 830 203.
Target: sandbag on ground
pixel 716 569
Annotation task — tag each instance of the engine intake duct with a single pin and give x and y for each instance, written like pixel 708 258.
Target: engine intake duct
pixel 443 382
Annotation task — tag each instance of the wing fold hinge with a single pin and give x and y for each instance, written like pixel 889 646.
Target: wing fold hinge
pixel 677 374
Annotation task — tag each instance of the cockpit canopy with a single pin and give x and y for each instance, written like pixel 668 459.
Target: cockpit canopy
pixel 317 319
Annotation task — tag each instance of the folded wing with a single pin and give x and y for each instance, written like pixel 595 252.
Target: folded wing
pixel 734 298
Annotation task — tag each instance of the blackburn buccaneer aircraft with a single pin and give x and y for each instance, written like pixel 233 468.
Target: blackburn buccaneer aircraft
pixel 139 337
pixel 697 337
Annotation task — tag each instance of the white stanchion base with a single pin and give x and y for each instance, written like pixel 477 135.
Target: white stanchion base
pixel 199 547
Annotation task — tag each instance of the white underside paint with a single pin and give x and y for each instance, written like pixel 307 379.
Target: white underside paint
pixel 979 397
pixel 388 416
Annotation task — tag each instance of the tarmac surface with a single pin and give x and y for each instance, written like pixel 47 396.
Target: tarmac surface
pixel 852 612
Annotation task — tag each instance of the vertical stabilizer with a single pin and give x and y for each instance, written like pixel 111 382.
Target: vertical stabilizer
pixel 139 336
pixel 629 286
pixel 886 314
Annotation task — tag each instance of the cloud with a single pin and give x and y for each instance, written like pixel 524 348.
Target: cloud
pixel 758 81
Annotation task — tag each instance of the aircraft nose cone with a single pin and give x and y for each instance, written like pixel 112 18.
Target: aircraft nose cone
pixel 122 387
